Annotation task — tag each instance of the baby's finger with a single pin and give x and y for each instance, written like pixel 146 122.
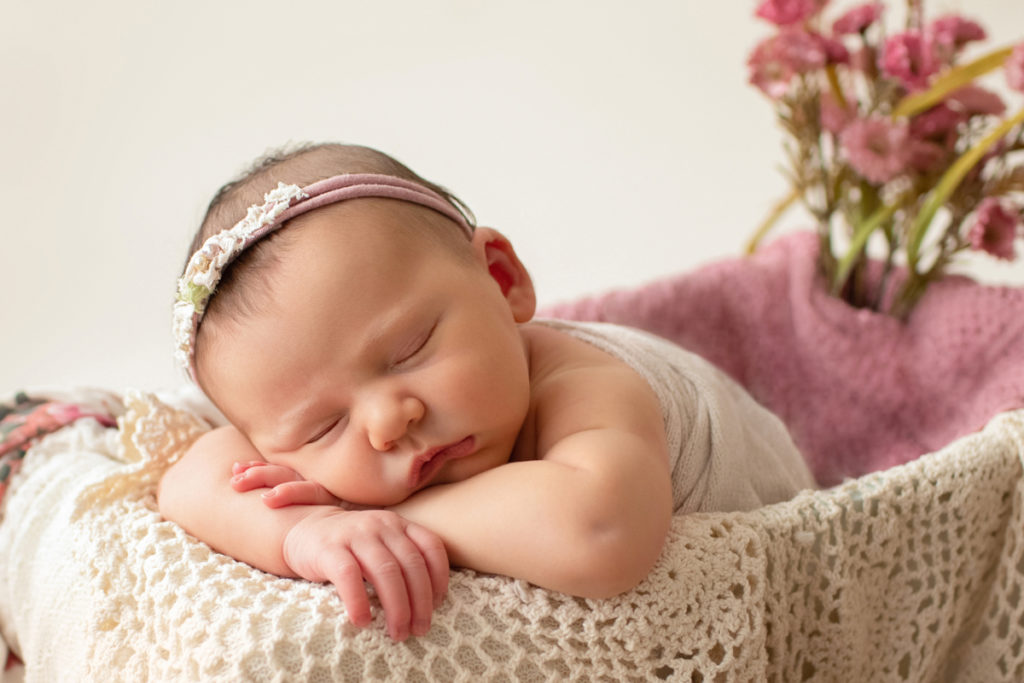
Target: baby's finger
pixel 299 493
pixel 383 570
pixel 265 476
pixel 240 467
pixel 418 581
pixel 432 548
pixel 342 569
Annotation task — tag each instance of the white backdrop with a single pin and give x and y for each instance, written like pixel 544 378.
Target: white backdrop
pixel 613 142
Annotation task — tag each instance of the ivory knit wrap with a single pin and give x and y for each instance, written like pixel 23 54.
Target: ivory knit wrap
pixel 727 452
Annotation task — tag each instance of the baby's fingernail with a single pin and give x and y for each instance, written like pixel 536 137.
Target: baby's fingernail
pixel 399 633
pixel 438 600
pixel 420 628
pixel 268 494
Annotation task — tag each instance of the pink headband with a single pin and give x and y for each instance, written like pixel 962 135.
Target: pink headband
pixel 206 266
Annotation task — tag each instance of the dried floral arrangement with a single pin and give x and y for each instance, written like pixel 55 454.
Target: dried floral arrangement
pixel 891 140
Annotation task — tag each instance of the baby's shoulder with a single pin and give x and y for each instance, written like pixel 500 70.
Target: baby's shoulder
pixel 556 355
pixel 576 386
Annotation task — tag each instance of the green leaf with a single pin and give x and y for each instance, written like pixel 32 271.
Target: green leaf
pixel 952 80
pixel 949 181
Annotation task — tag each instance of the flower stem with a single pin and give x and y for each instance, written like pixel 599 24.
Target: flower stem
pixel 858 242
pixel 883 282
pixel 835 86
pixel 769 222
pixel 915 14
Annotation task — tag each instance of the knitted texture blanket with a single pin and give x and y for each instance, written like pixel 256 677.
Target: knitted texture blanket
pixel 911 574
pixel 859 391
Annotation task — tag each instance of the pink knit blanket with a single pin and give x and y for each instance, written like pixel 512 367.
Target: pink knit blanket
pixel 859 391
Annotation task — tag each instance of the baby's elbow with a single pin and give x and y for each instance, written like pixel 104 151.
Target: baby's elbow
pixel 618 560
pixel 185 484
pixel 608 583
pixel 172 493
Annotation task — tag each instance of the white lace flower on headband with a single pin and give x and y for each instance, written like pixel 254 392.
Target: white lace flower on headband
pixel 205 268
pixel 280 205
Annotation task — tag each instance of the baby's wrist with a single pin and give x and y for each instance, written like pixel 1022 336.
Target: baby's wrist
pixel 300 543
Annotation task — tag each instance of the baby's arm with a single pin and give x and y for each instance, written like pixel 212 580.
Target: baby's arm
pixel 405 562
pixel 589 520
pixel 588 513
pixel 588 517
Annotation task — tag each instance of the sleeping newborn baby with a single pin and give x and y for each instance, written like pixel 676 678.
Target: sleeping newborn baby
pixel 392 402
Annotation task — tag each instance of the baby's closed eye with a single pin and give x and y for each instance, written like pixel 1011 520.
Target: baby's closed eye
pixel 326 429
pixel 410 351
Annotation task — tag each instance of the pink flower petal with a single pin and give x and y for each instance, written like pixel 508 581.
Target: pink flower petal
pixel 877 147
pixel 994 229
pixel 909 58
pixel 1015 68
pixel 858 19
pixel 835 51
pixel 788 12
pixel 833 117
pixel 954 31
pixel 775 60
pixel 974 100
pixel 938 125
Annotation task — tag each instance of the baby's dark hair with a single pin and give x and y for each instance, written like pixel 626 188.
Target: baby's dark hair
pixel 301 165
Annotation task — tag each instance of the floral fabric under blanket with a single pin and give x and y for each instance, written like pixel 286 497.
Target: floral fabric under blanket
pixel 27 419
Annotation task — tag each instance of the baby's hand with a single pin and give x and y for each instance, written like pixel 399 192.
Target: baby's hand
pixel 284 485
pixel 406 564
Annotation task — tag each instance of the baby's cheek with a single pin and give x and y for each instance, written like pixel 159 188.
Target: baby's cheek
pixel 360 476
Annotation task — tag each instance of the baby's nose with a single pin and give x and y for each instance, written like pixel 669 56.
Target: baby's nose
pixel 389 420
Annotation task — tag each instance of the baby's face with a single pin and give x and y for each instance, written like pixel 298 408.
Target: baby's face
pixel 384 363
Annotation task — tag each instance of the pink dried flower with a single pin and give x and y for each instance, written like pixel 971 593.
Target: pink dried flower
pixel 788 12
pixel 833 117
pixel 951 32
pixel 858 19
pixel 775 60
pixel 974 100
pixel 994 229
pixel 1015 68
pixel 908 57
pixel 927 156
pixel 863 59
pixel 938 124
pixel 835 51
pixel 876 147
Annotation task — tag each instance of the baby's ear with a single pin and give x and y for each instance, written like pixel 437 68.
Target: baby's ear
pixel 496 252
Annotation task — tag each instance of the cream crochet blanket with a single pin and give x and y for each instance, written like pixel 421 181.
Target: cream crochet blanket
pixel 912 574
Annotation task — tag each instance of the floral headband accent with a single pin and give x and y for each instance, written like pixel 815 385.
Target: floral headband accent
pixel 206 266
